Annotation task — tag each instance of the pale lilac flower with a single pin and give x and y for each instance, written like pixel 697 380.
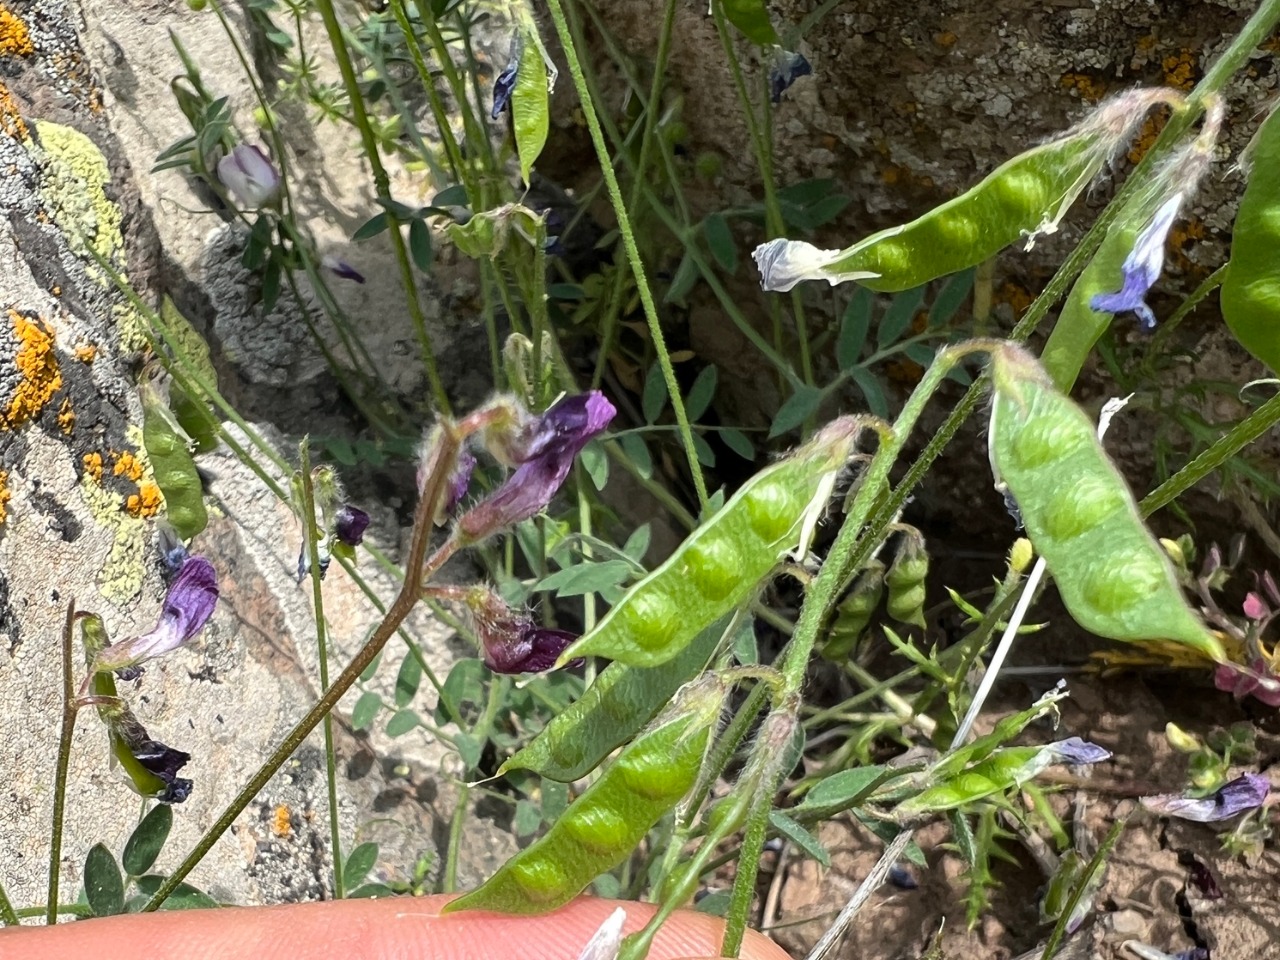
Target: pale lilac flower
pixel 1239 796
pixel 545 455
pixel 248 173
pixel 349 525
pixel 1142 267
pixel 1075 751
pixel 187 606
pixel 459 480
pixel 340 268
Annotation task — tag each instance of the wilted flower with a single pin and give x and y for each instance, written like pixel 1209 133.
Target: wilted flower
pixel 511 641
pixel 248 173
pixel 459 481
pixel 1240 682
pixel 1142 267
pixel 505 85
pixel 787 67
pixel 1238 796
pixel 341 268
pixel 1075 751
pixel 152 766
pixel 545 453
pixel 349 525
pixel 187 606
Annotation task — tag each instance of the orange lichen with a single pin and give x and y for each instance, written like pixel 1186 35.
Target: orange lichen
pixel 946 40
pixel 1180 69
pixel 1091 89
pixel 15 39
pixel 4 495
pixel 11 121
pixel 282 821
pixel 66 417
pixel 146 502
pixel 38 364
pixel 93 466
pixel 1015 296
pixel 86 353
pixel 1146 42
pixel 126 464
pixel 1145 138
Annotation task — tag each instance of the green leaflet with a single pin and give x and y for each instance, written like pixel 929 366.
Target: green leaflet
pixel 620 701
pixel 752 18
pixel 1024 197
pixel 530 107
pixel 720 564
pixel 1079 514
pixel 174 470
pixel 1250 294
pixel 602 827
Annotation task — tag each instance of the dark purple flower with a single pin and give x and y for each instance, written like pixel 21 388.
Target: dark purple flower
pixel 248 173
pixel 340 268
pixel 349 525
pixel 1141 268
pixel 545 453
pixel 187 606
pixel 1243 682
pixel 152 767
pixel 1239 796
pixel 504 86
pixel 787 67
pixel 511 641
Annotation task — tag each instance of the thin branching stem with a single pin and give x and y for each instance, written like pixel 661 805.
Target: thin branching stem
pixel 633 252
pixel 69 710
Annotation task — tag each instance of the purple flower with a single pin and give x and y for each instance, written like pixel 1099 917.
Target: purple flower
pixel 1141 268
pixel 511 641
pixel 187 606
pixel 247 172
pixel 341 268
pixel 152 766
pixel 1239 796
pixel 545 453
pixel 349 525
pixel 459 481
pixel 787 67
pixel 504 86
pixel 1243 682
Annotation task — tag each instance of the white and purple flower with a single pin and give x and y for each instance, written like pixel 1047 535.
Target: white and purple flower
pixel 1142 267
pixel 1240 795
pixel 187 607
pixel 250 176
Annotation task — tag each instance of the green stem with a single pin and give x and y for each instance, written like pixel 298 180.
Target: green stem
pixel 25 913
pixel 1232 442
pixel 64 762
pixel 633 252
pixel 744 882
pixel 310 538
pixel 450 881
pixel 7 913
pixel 382 188
pixel 415 568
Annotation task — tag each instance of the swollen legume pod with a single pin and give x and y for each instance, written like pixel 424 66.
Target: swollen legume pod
pixel 602 827
pixel 720 564
pixel 174 470
pixel 1079 514
pixel 1021 199
pixel 620 701
pixel 1251 290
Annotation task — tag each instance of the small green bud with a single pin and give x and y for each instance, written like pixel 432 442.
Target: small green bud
pixel 1021 555
pixel 1180 740
pixel 197 5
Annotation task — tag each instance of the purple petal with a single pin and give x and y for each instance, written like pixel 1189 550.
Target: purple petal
pixel 534 650
pixel 349 525
pixel 1073 750
pixel 545 461
pixel 187 606
pixel 129 741
pixel 459 480
pixel 786 69
pixel 1239 796
pixel 341 268
pixel 1142 267
pixel 503 87
pixel 1258 682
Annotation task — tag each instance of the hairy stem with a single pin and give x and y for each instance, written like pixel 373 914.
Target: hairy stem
pixel 69 711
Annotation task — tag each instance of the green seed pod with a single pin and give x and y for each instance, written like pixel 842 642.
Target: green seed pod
pixel 906 578
pixel 602 827
pixel 620 701
pixel 1250 294
pixel 1112 575
pixel 174 470
pixel 854 613
pixel 1020 200
pixel 721 563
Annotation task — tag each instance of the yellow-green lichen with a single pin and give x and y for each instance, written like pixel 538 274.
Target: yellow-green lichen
pixel 122 576
pixel 148 501
pixel 73 180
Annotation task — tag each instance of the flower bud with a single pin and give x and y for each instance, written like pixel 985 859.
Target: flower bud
pixel 247 172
